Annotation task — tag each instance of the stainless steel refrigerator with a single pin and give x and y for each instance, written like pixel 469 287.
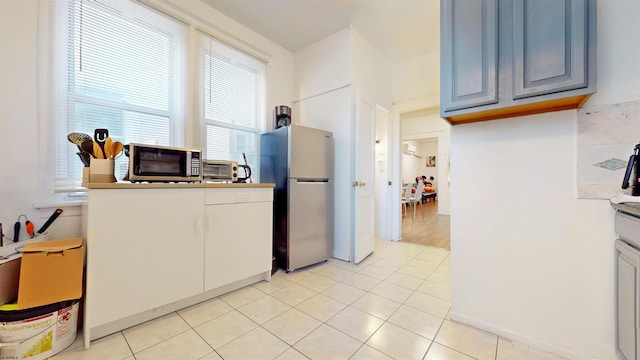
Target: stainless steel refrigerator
pixel 299 160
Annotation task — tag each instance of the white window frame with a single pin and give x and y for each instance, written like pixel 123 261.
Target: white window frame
pixel 56 102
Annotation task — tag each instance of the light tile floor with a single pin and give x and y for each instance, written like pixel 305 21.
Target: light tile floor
pixel 393 305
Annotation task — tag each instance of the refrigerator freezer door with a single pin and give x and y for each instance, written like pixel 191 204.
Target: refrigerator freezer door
pixel 310 223
pixel 310 153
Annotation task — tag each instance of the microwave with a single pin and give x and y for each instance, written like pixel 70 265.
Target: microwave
pixel 153 163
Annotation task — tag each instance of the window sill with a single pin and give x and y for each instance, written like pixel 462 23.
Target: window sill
pixel 58 204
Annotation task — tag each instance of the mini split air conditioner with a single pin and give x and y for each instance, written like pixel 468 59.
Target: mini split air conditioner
pixel 410 149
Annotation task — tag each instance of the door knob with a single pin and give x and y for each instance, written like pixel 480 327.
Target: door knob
pixel 362 183
pixel 355 184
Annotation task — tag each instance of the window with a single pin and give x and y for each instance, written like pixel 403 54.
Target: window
pixel 116 65
pixel 233 109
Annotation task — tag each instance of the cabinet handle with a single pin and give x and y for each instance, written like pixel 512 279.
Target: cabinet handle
pixel 209 220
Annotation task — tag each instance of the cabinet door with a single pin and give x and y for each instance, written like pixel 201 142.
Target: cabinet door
pixel 627 301
pixel 238 242
pixel 469 42
pixel 549 46
pixel 144 250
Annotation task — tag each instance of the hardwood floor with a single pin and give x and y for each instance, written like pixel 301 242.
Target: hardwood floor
pixel 432 231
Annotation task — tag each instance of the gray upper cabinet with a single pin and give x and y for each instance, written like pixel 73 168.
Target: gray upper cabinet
pixel 471 33
pixel 505 58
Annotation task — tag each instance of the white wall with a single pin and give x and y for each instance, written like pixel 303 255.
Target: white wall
pixel 413 166
pixel 323 66
pixel 371 71
pixel 418 79
pixel 22 137
pixel 530 261
pixel 19 128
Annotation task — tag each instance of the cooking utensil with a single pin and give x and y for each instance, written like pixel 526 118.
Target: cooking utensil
pixel 16 231
pixel 100 136
pixel 87 147
pixel 77 138
pixel 108 148
pixel 97 151
pixel 51 219
pixel 117 149
pixel 28 227
pixel 85 158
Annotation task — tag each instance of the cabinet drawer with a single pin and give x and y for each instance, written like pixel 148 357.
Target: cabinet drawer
pixel 628 228
pixel 235 195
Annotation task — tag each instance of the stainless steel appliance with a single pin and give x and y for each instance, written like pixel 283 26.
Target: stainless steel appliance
pixel 299 160
pixel 633 167
pixel 225 170
pixel 282 116
pixel 220 170
pixel 153 163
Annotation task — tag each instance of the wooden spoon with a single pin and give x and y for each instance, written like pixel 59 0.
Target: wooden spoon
pixel 116 149
pixel 97 151
pixel 108 148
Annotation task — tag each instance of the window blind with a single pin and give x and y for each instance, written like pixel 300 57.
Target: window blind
pixel 233 103
pixel 118 65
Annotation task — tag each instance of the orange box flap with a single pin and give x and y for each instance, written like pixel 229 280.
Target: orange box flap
pixel 51 272
pixel 53 245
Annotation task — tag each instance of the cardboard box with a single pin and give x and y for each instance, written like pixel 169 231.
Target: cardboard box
pixel 10 260
pixel 38 334
pixel 9 275
pixel 51 272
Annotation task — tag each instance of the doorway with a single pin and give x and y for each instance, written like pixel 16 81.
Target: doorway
pixel 424 142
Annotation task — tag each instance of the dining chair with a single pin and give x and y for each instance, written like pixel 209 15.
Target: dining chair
pixel 417 198
pixel 406 198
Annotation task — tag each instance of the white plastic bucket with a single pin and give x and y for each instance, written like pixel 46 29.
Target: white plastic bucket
pixel 43 334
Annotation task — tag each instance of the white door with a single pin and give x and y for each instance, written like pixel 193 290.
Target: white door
pixel 382 175
pixel 364 181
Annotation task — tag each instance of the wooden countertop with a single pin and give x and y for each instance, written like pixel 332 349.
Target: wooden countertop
pixel 158 185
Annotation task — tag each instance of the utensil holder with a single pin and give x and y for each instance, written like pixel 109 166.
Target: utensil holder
pixel 101 171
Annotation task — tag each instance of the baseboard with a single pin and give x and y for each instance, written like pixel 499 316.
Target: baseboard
pixel 103 330
pixel 519 338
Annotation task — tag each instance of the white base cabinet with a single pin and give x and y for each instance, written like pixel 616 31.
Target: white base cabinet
pixel 627 281
pixel 151 251
pixel 627 302
pixel 236 228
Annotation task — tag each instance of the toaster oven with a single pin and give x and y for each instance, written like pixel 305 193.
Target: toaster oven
pixel 220 170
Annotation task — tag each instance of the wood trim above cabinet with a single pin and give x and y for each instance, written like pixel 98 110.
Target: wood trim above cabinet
pixel 574 102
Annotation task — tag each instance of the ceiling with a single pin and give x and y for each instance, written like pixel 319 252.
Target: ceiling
pixel 399 29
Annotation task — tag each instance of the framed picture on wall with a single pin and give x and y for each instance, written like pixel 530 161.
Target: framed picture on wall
pixel 431 161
